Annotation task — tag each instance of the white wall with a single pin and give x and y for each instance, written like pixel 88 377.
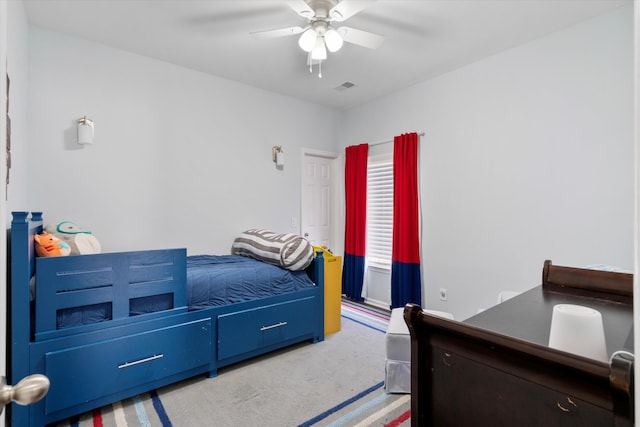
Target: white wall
pixel 180 158
pixel 17 68
pixel 13 56
pixel 3 203
pixel 528 155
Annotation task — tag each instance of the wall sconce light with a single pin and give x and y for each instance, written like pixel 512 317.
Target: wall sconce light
pixel 85 130
pixel 278 156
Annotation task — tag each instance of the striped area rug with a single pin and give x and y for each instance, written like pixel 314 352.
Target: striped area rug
pixel 144 410
pixel 366 315
pixel 370 407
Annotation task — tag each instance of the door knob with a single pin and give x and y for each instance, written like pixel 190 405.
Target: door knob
pixel 29 390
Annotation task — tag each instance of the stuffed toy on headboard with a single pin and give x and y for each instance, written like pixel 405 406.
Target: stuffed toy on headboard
pixel 80 240
pixel 49 245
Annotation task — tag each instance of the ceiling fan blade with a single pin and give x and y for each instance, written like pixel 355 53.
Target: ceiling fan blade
pixel 301 8
pixel 280 32
pixel 347 8
pixel 361 38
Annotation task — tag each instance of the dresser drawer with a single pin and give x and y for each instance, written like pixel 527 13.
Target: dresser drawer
pixel 83 373
pixel 252 329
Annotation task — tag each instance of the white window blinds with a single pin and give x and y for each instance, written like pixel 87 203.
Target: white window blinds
pixel 379 211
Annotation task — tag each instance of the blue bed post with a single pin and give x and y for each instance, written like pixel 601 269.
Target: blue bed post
pixel 318 272
pixel 20 268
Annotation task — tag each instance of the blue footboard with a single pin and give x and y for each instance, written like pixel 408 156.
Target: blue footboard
pixel 111 282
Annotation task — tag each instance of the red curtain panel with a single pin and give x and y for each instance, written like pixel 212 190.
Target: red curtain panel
pixel 355 232
pixel 406 285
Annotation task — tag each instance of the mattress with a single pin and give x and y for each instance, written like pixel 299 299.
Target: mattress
pixel 212 280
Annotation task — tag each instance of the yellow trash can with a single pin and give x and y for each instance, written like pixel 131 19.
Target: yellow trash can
pixel 332 291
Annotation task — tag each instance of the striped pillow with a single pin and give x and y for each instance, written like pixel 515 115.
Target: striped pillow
pixel 290 251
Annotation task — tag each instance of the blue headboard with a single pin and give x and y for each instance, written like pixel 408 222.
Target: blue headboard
pixel 21 268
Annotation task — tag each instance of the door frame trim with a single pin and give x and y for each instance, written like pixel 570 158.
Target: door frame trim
pixel 4 9
pixel 336 193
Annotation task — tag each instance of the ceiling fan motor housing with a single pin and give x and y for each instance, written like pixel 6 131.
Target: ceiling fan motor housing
pixel 321 9
pixel 319 26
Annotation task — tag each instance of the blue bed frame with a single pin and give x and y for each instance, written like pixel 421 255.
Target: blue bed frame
pixel 96 364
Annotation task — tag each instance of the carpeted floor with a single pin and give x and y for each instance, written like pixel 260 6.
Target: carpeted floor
pixel 337 382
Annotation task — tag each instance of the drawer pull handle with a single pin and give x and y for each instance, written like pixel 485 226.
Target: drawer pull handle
pixel 446 359
pixel 277 325
pixel 137 362
pixel 566 409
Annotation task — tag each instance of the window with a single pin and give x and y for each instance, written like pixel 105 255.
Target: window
pixel 379 211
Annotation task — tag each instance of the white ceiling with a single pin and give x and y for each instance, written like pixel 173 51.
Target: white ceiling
pixel 423 38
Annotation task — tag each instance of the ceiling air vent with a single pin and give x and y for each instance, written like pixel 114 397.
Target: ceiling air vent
pixel 345 86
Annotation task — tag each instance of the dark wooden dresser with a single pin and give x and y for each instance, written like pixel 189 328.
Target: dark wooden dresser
pixel 495 368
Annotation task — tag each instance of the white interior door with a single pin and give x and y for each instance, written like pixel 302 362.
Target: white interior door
pixel 318 213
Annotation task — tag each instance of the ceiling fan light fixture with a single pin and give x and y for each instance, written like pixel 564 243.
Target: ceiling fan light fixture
pixel 308 40
pixel 333 40
pixel 319 35
pixel 320 51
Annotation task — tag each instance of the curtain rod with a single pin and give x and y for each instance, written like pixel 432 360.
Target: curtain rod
pixel 420 133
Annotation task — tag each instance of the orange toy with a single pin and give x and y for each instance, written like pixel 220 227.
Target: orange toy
pixel 49 245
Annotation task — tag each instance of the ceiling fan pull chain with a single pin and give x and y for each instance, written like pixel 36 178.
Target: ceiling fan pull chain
pixel 320 70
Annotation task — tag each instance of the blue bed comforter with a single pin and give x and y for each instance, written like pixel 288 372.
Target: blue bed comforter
pixel 227 279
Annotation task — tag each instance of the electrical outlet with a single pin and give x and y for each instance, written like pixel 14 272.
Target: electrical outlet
pixel 443 294
pixel 294 222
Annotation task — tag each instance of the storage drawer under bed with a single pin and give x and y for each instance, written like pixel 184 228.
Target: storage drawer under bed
pixel 83 373
pixel 248 330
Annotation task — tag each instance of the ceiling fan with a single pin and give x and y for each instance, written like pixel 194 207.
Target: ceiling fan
pixel 320 35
